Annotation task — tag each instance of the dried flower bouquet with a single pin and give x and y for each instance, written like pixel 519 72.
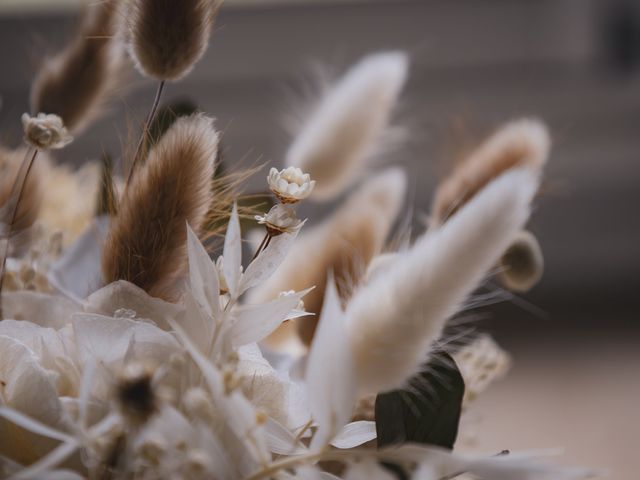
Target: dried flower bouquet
pixel 126 351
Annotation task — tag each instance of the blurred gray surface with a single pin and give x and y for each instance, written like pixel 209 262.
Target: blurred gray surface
pixel 475 65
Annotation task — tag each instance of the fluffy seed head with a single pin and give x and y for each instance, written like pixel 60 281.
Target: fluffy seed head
pixel 76 83
pixel 523 143
pixel 146 244
pixel 408 305
pixel 343 244
pixel 522 264
pixel 166 38
pixel 347 125
pixel 31 198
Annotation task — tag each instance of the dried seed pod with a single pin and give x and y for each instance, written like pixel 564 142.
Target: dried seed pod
pixel 522 264
pixel 166 38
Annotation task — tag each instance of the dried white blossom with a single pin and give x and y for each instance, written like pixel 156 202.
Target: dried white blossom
pixel 280 219
pixel 290 185
pixel 45 131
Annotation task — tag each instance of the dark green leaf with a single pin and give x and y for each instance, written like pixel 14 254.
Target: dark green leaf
pixel 428 411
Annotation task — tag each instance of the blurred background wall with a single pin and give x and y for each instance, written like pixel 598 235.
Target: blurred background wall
pixel 573 63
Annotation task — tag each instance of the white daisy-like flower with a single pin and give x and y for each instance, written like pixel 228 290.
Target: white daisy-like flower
pixel 290 185
pixel 45 131
pixel 280 219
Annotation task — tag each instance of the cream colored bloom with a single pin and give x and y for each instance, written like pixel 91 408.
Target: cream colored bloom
pixel 290 185
pixel 280 219
pixel 45 132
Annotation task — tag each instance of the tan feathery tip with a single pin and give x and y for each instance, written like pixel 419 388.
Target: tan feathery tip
pixel 76 83
pixel 146 244
pixel 522 143
pixel 166 38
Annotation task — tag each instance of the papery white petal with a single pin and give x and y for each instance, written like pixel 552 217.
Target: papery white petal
pixel 124 295
pixel 268 261
pixel 281 441
pixel 43 309
pixel 330 375
pixel 197 324
pixel 233 252
pixel 77 273
pixel 354 434
pixel 203 275
pixel 252 323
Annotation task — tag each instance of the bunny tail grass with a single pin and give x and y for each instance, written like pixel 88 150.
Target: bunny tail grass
pixel 409 304
pixel 76 83
pixel 348 124
pixel 20 199
pixel 344 244
pixel 146 244
pixel 166 38
pixel 522 143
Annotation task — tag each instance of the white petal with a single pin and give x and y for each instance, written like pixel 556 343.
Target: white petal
pixel 254 322
pixel 355 434
pixel 203 275
pixel 268 261
pixel 233 252
pixel 329 378
pixel 281 440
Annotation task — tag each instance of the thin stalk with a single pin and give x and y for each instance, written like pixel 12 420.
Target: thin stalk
pixel 12 208
pixel 145 130
pixel 262 246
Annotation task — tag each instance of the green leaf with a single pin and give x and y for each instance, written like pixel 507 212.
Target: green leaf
pixel 427 412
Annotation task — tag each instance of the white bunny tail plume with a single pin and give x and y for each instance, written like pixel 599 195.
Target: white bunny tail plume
pixel 521 143
pixel 344 244
pixel 411 302
pixel 347 125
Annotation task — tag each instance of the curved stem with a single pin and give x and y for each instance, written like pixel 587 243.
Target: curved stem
pixel 12 207
pixel 145 131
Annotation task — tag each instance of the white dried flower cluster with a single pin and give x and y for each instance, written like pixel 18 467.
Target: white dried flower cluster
pixel 45 131
pixel 290 185
pixel 280 219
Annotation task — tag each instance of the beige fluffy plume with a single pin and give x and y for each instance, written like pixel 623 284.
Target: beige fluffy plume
pixel 31 197
pixel 522 143
pixel 76 83
pixel 349 123
pixel 395 318
pixel 146 244
pixel 166 38
pixel 344 244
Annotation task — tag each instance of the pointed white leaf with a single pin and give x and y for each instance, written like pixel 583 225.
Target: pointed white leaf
pixel 268 261
pixel 203 275
pixel 355 434
pixel 52 459
pixel 330 379
pixel 233 253
pixel 196 323
pixel 281 440
pixel 32 425
pixel 252 323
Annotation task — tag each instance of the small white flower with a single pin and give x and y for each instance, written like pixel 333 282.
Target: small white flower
pixel 280 219
pixel 45 132
pixel 290 185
